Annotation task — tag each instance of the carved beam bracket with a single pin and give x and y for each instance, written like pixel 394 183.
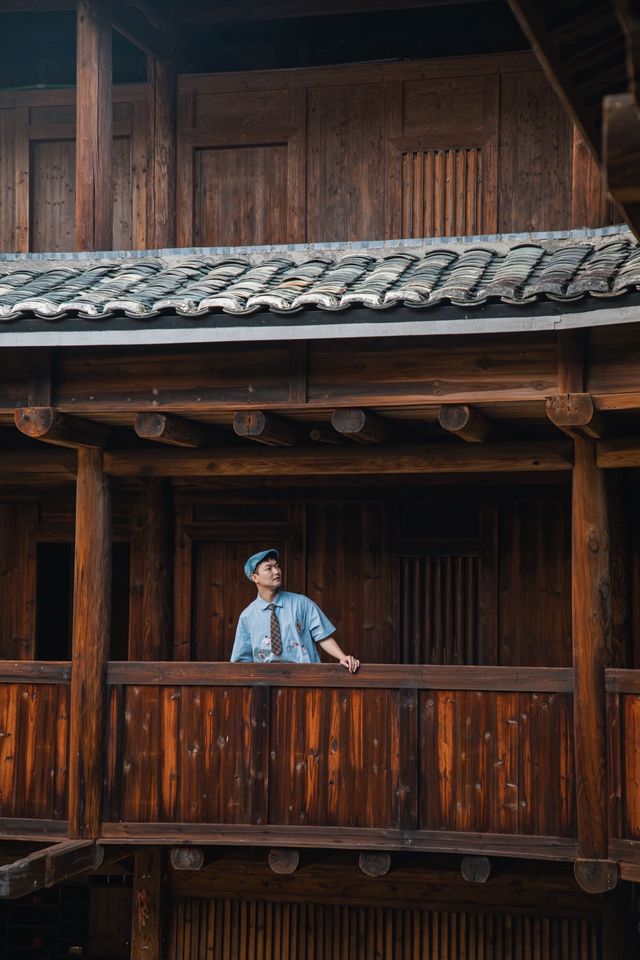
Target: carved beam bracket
pixel 60 429
pixel 365 427
pixel 374 864
pixel 575 415
pixel 169 429
pixel 467 423
pixel 265 428
pixel 284 860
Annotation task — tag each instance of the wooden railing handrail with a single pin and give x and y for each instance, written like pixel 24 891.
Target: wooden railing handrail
pixel 35 671
pixel 622 681
pixel 384 676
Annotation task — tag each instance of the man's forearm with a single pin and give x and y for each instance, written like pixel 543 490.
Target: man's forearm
pixel 333 648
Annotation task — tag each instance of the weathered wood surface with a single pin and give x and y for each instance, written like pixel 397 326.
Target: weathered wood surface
pixel 341 931
pixel 59 429
pixel 34 746
pixel 172 430
pixel 90 642
pixel 94 204
pixel 355 757
pixel 147 921
pixel 591 604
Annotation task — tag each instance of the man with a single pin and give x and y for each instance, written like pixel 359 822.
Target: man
pixel 280 626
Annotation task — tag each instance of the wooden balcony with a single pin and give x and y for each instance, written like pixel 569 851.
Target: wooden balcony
pixel 456 759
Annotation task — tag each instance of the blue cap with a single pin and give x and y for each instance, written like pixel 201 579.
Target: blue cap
pixel 253 561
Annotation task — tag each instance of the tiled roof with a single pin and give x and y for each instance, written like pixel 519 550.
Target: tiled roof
pixel 377 278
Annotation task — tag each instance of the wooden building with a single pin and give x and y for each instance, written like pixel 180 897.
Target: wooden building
pixel 383 316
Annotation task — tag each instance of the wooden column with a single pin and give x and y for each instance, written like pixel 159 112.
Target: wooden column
pixel 146 928
pixel 162 152
pixel 157 589
pixel 94 192
pixel 91 633
pixel 591 615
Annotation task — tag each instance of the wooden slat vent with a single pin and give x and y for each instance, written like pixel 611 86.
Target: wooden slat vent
pixel 281 931
pixel 442 193
pixel 439 609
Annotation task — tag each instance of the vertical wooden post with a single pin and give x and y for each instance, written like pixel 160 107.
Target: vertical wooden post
pixel 157 587
pixel 591 615
pixel 146 930
pixel 161 213
pixel 94 192
pixel 91 632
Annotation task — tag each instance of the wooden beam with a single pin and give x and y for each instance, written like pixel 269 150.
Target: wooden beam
pixel 596 876
pixel 132 24
pixel 147 919
pixel 187 858
pixel 364 427
pixel 591 631
pixel 94 192
pixel 39 385
pixel 284 860
pixel 225 11
pixel 621 150
pixel 467 423
pixel 162 179
pixel 169 429
pixel 343 461
pixel 267 428
pixel 374 864
pixel 21 466
pixel 618 452
pixel 575 415
pixel 476 869
pixel 59 429
pixel 155 639
pixel 90 643
pixel 628 15
pixel 44 868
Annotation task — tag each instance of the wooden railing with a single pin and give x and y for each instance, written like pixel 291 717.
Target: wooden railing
pixel 438 758
pixel 623 763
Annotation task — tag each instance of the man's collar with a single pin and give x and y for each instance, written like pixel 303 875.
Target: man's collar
pixel 264 604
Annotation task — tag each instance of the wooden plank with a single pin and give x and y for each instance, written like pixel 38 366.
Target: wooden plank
pixel 147 919
pixel 622 681
pixel 31 464
pixel 94 206
pixel 59 429
pixel 154 641
pixel 364 426
pixel 571 361
pixel 417 459
pixel 591 647
pixel 390 676
pixel 267 428
pixel 349 838
pixel 36 829
pixel 33 671
pixel 90 643
pixel 618 452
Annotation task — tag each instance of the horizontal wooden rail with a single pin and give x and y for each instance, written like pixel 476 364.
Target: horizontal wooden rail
pixel 622 681
pixel 35 671
pixel 374 675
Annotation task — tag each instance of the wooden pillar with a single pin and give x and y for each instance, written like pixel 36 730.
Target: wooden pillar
pixel 157 584
pixel 146 928
pixel 94 192
pixel 591 615
pixel 161 215
pixel 91 632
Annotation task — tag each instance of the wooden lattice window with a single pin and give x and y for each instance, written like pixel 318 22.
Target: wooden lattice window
pixel 442 192
pixel 439 609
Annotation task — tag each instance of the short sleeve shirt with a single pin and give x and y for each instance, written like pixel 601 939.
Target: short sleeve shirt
pixel 302 626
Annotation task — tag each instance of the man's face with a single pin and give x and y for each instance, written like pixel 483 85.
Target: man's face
pixel 267 574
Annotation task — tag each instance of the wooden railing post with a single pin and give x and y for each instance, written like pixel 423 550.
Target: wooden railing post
pixel 91 633
pixel 94 106
pixel 162 149
pixel 591 616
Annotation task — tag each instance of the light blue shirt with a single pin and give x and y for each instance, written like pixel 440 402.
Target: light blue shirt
pixel 302 626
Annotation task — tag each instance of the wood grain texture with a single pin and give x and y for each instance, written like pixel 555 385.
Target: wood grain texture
pixel 147 921
pixel 90 642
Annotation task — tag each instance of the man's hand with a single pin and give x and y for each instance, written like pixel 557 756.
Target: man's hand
pixel 350 663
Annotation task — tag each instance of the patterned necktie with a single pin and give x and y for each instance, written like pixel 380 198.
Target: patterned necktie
pixel 276 638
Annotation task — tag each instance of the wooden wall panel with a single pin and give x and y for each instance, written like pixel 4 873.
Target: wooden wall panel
pixel 482 768
pixel 442 192
pixel 18 564
pixel 351 575
pixel 241 195
pixel 52 203
pixel 534 617
pixel 34 750
pixel 535 168
pixel 201 759
pixel 346 148
pixel 220 929
pixel 343 758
